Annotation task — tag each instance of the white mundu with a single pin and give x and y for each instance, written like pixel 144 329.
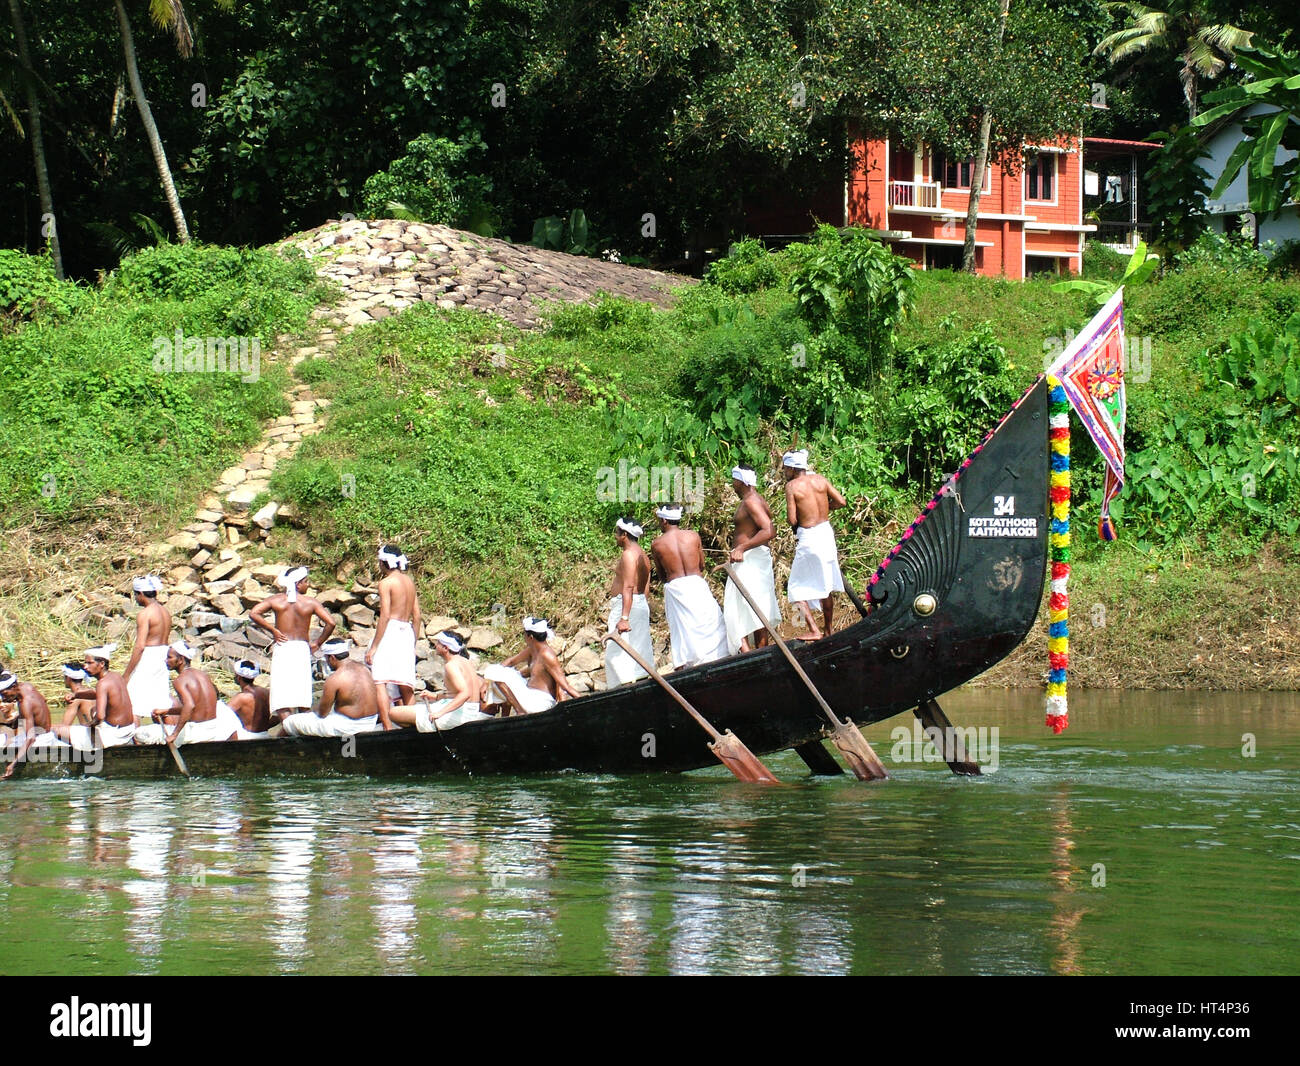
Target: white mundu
pixel 755 573
pixel 223 726
pixel 620 667
pixel 699 635
pixel 311 724
pixel 290 675
pixel 427 720
pixel 815 572
pixel 149 687
pixel 532 700
pixel 394 658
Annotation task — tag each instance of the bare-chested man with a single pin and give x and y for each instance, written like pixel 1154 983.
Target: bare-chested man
pixel 460 702
pixel 203 716
pixel 348 704
pixel 146 671
pixel 546 683
pixel 252 703
pixel 291 654
pixel 629 610
pixel 113 721
pixel 695 625
pixel 815 572
pixel 751 560
pixel 79 697
pixel 391 656
pixel 33 717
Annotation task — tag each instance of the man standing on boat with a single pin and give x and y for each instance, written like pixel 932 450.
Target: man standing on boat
pixel 629 610
pixel 112 715
pixel 348 704
pixel 815 572
pixel 695 624
pixel 391 655
pixel 203 717
pixel 546 683
pixel 291 653
pixel 146 671
pixel 752 563
pixel 252 703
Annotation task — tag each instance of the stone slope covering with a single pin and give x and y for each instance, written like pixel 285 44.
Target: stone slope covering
pixel 385 266
pixel 214 569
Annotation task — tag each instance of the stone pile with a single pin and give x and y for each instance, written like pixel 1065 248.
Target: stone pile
pixel 385 266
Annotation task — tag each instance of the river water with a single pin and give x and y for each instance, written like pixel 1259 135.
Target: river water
pixel 1159 834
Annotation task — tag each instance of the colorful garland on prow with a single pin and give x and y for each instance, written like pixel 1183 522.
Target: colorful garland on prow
pixel 1058 605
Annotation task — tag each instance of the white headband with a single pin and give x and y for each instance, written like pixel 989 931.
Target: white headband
pixel 289 582
pixel 398 560
pixel 148 583
pixel 183 650
pixel 746 477
pixel 7 681
pixel 669 513
pixel 630 528
pixel 796 460
pixel 74 673
pixel 246 669
pixel 539 627
pixel 337 647
pixel 104 651
pixel 451 642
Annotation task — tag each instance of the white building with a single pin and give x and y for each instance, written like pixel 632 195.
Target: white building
pixel 1227 211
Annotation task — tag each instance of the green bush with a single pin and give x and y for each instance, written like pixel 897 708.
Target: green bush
pixel 433 182
pixel 1103 264
pixel 748 267
pixel 28 287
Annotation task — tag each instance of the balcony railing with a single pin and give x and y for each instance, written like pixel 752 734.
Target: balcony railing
pixel 915 195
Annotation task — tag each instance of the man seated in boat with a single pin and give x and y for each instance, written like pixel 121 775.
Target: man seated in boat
pixel 79 695
pixel 33 719
pixel 146 671
pixel 348 703
pixel 695 623
pixel 751 561
pixel 459 703
pixel 252 703
pixel 203 716
pixel 112 720
pixel 391 655
pixel 629 610
pixel 511 693
pixel 291 654
pixel 815 573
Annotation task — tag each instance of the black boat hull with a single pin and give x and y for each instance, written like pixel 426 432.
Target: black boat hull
pixel 959 593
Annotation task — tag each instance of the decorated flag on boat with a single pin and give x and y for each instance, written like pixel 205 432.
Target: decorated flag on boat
pixel 1091 371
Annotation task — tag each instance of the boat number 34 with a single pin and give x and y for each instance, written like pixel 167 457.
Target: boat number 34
pixel 1003 522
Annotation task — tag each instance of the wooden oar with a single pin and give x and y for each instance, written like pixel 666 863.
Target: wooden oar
pixel 729 749
pixel 931 716
pixel 862 760
pixel 171 746
pixel 857 600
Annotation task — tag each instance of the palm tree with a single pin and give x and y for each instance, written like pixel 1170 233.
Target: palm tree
pixel 28 75
pixel 1184 28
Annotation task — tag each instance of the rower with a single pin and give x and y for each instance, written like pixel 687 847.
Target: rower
pixel 112 720
pixel 33 715
pixel 204 717
pixel 459 704
pixel 252 703
pixel 815 572
pixel 629 610
pixel 391 655
pixel 348 704
pixel 546 683
pixel 146 670
pixel 752 561
pixel 79 697
pixel 695 624
pixel 291 654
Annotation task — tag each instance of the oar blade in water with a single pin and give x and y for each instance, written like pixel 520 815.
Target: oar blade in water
pixel 862 760
pixel 742 762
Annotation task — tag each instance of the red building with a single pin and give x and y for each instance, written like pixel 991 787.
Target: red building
pixel 1029 221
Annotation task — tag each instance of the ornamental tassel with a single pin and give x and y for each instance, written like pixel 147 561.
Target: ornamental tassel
pixel 1058 604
